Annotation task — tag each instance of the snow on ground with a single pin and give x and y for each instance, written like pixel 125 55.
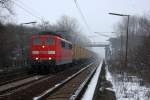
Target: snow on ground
pixel 92 85
pixel 128 87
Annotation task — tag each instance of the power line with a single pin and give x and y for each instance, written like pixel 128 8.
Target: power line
pixel 29 8
pixel 82 15
pixel 27 11
pixel 19 1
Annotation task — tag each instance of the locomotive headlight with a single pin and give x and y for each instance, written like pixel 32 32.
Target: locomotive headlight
pixel 43 46
pixel 36 58
pixel 35 52
pixel 51 52
pixel 49 58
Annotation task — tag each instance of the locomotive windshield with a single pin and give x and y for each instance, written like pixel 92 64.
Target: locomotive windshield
pixel 49 41
pixel 36 41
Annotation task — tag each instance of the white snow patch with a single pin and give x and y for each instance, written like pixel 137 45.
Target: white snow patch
pixel 91 87
pixel 108 75
pixel 128 89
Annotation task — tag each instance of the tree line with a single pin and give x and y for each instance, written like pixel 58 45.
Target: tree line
pixel 138 45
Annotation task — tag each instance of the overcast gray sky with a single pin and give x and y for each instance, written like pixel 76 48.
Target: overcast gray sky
pixel 95 11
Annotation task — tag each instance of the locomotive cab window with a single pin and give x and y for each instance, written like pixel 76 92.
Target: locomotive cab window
pixel 36 41
pixel 62 44
pixel 49 41
pixel 67 46
pixel 70 46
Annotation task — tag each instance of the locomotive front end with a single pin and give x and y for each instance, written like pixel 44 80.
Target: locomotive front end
pixel 43 50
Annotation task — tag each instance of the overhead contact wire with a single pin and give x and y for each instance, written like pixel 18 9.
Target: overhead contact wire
pixel 82 15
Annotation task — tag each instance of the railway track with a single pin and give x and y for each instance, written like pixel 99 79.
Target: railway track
pixel 21 77
pixel 8 77
pixel 71 88
pixel 4 89
pixel 34 88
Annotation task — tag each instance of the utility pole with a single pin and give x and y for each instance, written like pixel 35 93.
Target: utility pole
pixel 126 56
pixel 126 52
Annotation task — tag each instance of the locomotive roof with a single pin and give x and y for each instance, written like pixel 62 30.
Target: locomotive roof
pixel 54 34
pixel 49 33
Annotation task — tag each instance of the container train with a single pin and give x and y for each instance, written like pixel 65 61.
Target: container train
pixel 50 52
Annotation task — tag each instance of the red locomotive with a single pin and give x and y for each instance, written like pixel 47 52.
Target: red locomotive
pixel 49 50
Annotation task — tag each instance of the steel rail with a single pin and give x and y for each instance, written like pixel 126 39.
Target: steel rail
pixel 9 90
pixel 59 85
pixel 80 91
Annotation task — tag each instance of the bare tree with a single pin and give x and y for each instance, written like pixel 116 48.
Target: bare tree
pixel 7 45
pixel 69 26
pixel 45 25
pixel 139 48
pixel 6 4
pixel 6 10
